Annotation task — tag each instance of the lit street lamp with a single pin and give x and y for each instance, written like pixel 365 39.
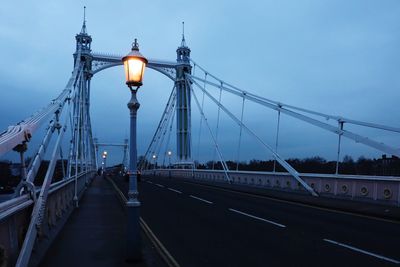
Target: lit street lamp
pixel 104 163
pixel 169 158
pixel 169 163
pixel 134 65
pixel 154 161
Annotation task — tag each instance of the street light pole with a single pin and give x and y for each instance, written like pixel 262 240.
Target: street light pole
pixel 134 64
pixel 133 204
pixel 169 158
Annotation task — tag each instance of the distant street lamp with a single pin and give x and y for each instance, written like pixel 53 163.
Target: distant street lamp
pixel 134 65
pixel 169 153
pixel 154 161
pixel 104 163
pixel 169 158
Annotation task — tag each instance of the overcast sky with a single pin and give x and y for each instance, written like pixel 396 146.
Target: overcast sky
pixel 336 57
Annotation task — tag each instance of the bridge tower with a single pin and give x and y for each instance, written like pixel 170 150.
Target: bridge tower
pixel 82 152
pixel 183 106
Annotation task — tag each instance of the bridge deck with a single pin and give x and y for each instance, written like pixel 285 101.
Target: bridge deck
pixel 204 225
pixel 95 233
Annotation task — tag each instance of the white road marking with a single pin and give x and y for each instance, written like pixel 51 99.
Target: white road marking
pixel 150 182
pixel 292 202
pixel 174 190
pixel 362 251
pixel 258 218
pixel 206 201
pixel 159 185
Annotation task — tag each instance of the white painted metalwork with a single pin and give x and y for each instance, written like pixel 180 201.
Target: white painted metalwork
pixel 279 107
pixel 240 133
pixel 223 163
pixel 277 137
pixel 284 164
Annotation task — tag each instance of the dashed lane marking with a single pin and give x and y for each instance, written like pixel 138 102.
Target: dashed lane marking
pixel 258 218
pixel 174 190
pixel 201 199
pixel 362 251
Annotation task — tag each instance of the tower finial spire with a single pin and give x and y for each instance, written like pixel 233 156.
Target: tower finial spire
pixel 183 44
pixel 84 21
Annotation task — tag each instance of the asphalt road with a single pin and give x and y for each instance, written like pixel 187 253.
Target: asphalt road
pixel 205 226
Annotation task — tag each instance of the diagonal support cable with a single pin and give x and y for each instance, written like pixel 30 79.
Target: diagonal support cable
pixel 240 134
pixel 39 207
pixel 171 99
pixel 353 136
pixel 316 113
pixel 223 163
pixel 218 117
pixel 286 165
pixel 201 120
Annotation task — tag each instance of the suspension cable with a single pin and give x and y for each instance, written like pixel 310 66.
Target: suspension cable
pixel 156 140
pixel 156 133
pixel 201 120
pixel 338 148
pixel 169 128
pixel 240 135
pixel 165 129
pixel 320 114
pixel 277 137
pixel 328 127
pixel 223 163
pixel 217 128
pixel 281 161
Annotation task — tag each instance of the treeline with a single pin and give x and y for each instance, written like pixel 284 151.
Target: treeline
pixel 8 180
pixel 362 166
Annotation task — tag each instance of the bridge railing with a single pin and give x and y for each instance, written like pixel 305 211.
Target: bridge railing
pixel 15 217
pixel 378 189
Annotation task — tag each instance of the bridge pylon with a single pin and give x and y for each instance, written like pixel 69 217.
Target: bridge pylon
pixel 183 103
pixel 82 154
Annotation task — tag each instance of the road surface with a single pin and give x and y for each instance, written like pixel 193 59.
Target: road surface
pixel 206 226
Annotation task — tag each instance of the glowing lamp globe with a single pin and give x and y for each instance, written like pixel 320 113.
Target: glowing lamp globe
pixel 134 65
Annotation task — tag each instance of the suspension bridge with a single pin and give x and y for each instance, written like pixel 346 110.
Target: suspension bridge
pixel 193 216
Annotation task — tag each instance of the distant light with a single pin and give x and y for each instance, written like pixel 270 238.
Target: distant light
pixel 169 153
pixel 154 157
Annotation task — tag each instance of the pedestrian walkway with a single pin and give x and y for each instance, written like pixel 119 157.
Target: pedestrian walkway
pixel 94 235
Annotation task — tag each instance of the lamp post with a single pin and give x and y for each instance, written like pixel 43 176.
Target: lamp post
pixel 134 65
pixel 154 162
pixel 104 163
pixel 169 163
pixel 169 158
pixel 105 154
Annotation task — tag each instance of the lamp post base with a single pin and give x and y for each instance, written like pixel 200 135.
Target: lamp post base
pixel 133 246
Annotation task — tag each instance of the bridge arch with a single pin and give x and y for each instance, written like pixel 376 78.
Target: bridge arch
pixel 150 66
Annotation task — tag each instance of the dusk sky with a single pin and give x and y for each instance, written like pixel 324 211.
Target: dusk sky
pixel 336 57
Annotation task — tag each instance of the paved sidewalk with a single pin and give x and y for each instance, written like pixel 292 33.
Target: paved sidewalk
pixel 94 235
